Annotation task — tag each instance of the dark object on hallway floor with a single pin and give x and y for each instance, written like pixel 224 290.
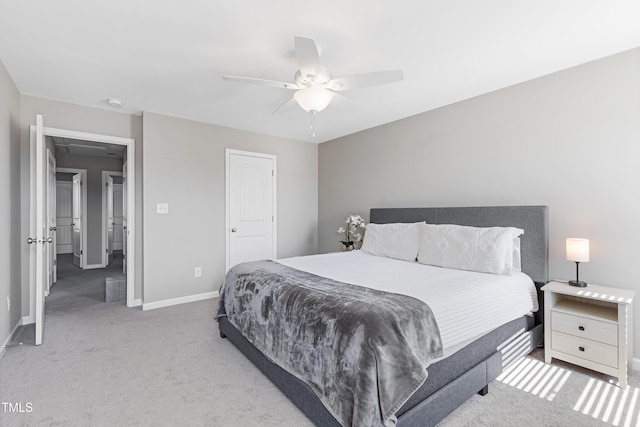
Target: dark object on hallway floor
pixel 115 288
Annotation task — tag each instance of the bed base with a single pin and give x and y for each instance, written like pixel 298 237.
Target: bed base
pixel 427 412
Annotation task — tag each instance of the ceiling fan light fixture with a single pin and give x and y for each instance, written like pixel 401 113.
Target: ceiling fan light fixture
pixel 313 99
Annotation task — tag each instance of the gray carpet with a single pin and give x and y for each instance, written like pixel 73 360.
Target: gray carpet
pixel 107 365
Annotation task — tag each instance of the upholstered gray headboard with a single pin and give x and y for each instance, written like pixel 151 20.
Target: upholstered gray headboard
pixel 534 220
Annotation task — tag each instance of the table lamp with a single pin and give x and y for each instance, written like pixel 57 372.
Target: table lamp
pixel 578 251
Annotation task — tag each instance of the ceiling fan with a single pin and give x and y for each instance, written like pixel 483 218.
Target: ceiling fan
pixel 314 86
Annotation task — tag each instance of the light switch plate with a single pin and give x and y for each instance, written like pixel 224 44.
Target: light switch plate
pixel 162 208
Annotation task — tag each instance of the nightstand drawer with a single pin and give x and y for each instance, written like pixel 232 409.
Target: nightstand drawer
pixel 585 349
pixel 594 330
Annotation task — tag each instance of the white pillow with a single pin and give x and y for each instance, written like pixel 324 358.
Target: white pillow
pixel 483 249
pixel 397 240
pixel 517 259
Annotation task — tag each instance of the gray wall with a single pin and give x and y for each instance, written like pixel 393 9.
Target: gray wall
pixel 570 140
pixel 184 165
pixel 9 205
pixel 67 116
pixel 94 166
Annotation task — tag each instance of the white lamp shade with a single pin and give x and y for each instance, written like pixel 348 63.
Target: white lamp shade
pixel 313 98
pixel 578 250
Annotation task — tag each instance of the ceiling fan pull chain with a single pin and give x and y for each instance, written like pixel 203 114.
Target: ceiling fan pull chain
pixel 313 130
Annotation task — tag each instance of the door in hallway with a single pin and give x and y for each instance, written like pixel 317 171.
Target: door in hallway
pixel 125 232
pixel 110 221
pixel 76 222
pixel 117 217
pixel 51 220
pixel 64 204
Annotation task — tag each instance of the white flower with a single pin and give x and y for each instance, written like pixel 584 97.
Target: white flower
pixel 351 234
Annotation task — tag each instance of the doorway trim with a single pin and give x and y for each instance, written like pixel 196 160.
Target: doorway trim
pixel 105 174
pixel 129 143
pixel 228 153
pixel 83 172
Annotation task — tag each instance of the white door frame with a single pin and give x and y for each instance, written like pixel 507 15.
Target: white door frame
pixel 228 153
pixel 129 143
pixel 83 172
pixel 105 174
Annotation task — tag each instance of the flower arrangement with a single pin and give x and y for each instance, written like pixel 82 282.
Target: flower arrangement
pixel 350 231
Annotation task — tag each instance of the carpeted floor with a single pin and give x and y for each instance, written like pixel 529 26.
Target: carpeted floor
pixel 108 365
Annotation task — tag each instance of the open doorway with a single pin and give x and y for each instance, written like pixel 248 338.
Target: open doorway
pixel 90 216
pixel 71 210
pixel 42 235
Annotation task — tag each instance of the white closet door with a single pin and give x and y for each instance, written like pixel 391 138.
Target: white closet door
pixel 251 207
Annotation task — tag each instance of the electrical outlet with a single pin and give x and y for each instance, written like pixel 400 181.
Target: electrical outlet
pixel 8 303
pixel 162 208
pixel 197 272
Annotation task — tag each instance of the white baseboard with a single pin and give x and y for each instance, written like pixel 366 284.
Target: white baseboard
pixel 635 364
pixel 181 300
pixel 6 342
pixel 137 302
pixel 27 320
pixel 92 266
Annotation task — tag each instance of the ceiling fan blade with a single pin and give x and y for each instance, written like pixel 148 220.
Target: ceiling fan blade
pixel 286 106
pixel 357 81
pixel 261 82
pixel 339 98
pixel 308 56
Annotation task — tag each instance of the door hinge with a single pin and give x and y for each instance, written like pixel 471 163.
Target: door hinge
pixel 272 173
pixel 80 252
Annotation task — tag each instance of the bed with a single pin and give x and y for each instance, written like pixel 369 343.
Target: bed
pixel 453 375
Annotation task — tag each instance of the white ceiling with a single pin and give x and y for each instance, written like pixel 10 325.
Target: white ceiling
pixel 167 56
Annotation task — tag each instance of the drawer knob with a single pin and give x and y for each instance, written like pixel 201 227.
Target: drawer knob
pixel 581 348
pixel 581 328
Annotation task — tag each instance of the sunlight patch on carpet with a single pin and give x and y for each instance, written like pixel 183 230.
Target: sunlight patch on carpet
pixel 609 403
pixel 535 377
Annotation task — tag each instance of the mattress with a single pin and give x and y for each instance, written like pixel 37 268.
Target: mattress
pixel 466 304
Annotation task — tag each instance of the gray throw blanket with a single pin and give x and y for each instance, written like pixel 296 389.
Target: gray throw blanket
pixel 364 352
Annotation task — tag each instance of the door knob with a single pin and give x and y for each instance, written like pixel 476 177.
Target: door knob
pixel 48 240
pixel 30 240
pixel 233 230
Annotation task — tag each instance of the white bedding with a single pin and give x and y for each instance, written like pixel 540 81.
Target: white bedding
pixel 466 304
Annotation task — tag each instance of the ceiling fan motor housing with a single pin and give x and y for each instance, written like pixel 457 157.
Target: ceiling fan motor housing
pixel 322 78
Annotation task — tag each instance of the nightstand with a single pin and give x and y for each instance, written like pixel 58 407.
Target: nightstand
pixel 590 327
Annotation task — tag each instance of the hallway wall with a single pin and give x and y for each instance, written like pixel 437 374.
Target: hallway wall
pixel 10 207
